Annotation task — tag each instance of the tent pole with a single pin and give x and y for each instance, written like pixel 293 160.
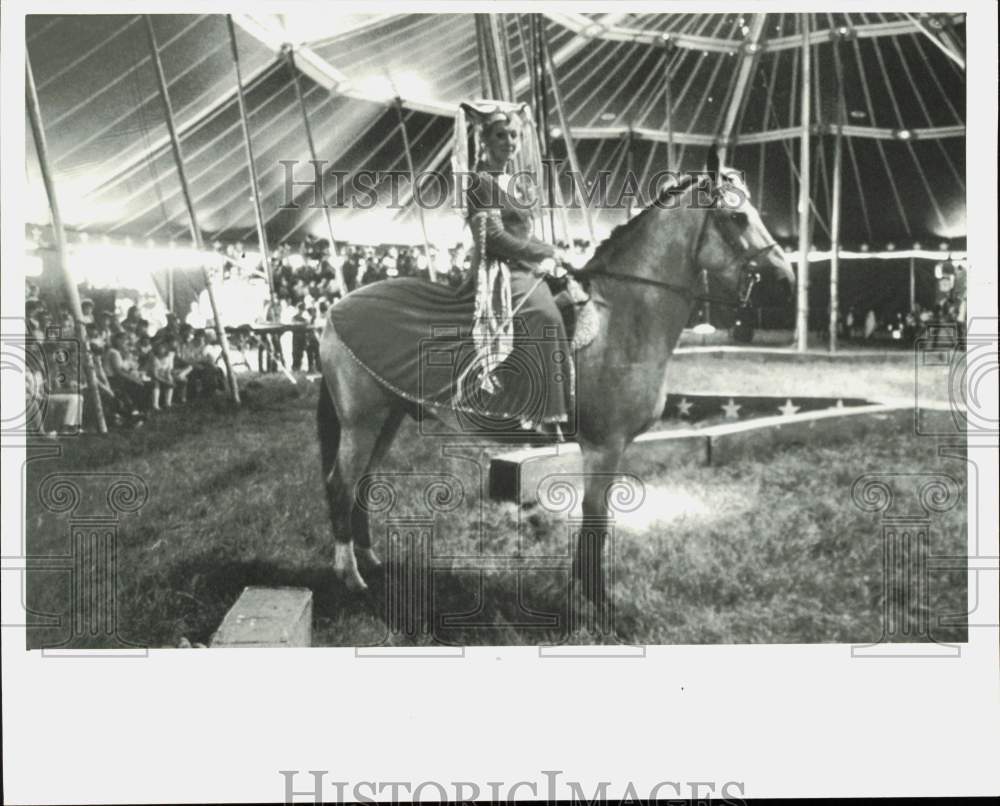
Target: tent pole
pixel 629 168
pixel 175 145
pixel 485 82
pixel 41 147
pixel 413 181
pixel 741 91
pixel 802 306
pixel 913 283
pixel 838 159
pixel 835 236
pixel 259 212
pixel 570 144
pixel 669 48
pixel 338 269
pixel 543 116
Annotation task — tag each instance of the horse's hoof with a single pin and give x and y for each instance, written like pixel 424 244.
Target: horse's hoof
pixel 368 557
pixel 353 581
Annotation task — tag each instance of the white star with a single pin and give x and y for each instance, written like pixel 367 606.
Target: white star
pixel 684 408
pixel 788 409
pixel 731 410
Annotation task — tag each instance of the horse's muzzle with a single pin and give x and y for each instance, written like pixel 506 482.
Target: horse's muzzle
pixel 777 284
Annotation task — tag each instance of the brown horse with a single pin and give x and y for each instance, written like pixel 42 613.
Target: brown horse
pixel 645 278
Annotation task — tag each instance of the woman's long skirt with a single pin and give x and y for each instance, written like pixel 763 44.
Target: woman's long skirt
pixel 415 338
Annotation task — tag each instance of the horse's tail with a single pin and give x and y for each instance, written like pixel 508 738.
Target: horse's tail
pixel 328 426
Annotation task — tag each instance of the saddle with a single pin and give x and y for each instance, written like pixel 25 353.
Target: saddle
pixel 579 312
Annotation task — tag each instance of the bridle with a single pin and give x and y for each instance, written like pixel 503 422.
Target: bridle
pixel 746 262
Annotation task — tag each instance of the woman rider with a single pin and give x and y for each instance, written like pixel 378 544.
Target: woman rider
pixel 495 346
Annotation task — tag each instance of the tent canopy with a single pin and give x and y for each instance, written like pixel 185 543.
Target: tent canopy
pixel 734 80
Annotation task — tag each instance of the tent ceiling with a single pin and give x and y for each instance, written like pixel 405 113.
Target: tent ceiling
pixel 114 172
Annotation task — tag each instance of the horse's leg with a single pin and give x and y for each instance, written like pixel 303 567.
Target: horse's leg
pixel 601 465
pixel 359 517
pixel 353 410
pixel 357 444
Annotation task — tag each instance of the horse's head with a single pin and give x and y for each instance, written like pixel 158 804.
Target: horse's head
pixel 734 246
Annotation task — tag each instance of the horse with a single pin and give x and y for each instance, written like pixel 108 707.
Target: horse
pixel 644 278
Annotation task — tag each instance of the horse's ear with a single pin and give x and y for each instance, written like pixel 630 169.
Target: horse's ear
pixel 712 162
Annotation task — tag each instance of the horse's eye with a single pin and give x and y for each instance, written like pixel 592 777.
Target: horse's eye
pixel 740 219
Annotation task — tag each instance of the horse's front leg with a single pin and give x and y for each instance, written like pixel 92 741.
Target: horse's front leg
pixel 601 465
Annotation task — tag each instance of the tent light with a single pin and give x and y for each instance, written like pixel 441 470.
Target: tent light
pixel 608 116
pixel 889 247
pixel 864 247
pixel 903 134
pixel 555 132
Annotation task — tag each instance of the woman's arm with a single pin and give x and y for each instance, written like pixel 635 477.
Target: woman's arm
pixel 501 243
pixel 484 199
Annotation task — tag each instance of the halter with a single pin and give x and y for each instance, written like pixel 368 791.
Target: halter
pixel 749 275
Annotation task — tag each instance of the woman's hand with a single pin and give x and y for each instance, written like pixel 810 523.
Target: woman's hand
pixel 545 266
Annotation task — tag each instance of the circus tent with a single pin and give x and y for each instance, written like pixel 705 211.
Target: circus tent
pixel 728 79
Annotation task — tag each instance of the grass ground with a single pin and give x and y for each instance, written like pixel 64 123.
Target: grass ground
pixel 767 550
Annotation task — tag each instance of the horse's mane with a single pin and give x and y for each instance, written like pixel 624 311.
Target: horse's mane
pixel 668 191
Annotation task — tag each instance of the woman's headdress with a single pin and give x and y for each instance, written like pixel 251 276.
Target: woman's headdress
pixel 479 116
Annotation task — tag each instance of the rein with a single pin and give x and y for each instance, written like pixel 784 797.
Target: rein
pixel 749 276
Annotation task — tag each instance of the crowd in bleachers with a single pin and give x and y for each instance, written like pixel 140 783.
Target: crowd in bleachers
pixel 139 370
pixel 142 368
pixel 305 285
pixel 899 325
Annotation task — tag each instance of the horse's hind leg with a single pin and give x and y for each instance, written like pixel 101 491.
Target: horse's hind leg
pixel 359 515
pixel 357 445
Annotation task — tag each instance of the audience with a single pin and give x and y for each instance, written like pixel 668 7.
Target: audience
pixel 140 370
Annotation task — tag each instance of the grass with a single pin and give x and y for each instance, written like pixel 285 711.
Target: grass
pixel 770 550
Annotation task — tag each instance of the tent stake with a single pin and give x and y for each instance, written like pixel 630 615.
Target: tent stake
pixel 41 147
pixel 175 145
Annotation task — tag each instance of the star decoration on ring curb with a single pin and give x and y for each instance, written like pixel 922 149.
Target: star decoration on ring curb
pixel 684 407
pixel 732 410
pixel 788 409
